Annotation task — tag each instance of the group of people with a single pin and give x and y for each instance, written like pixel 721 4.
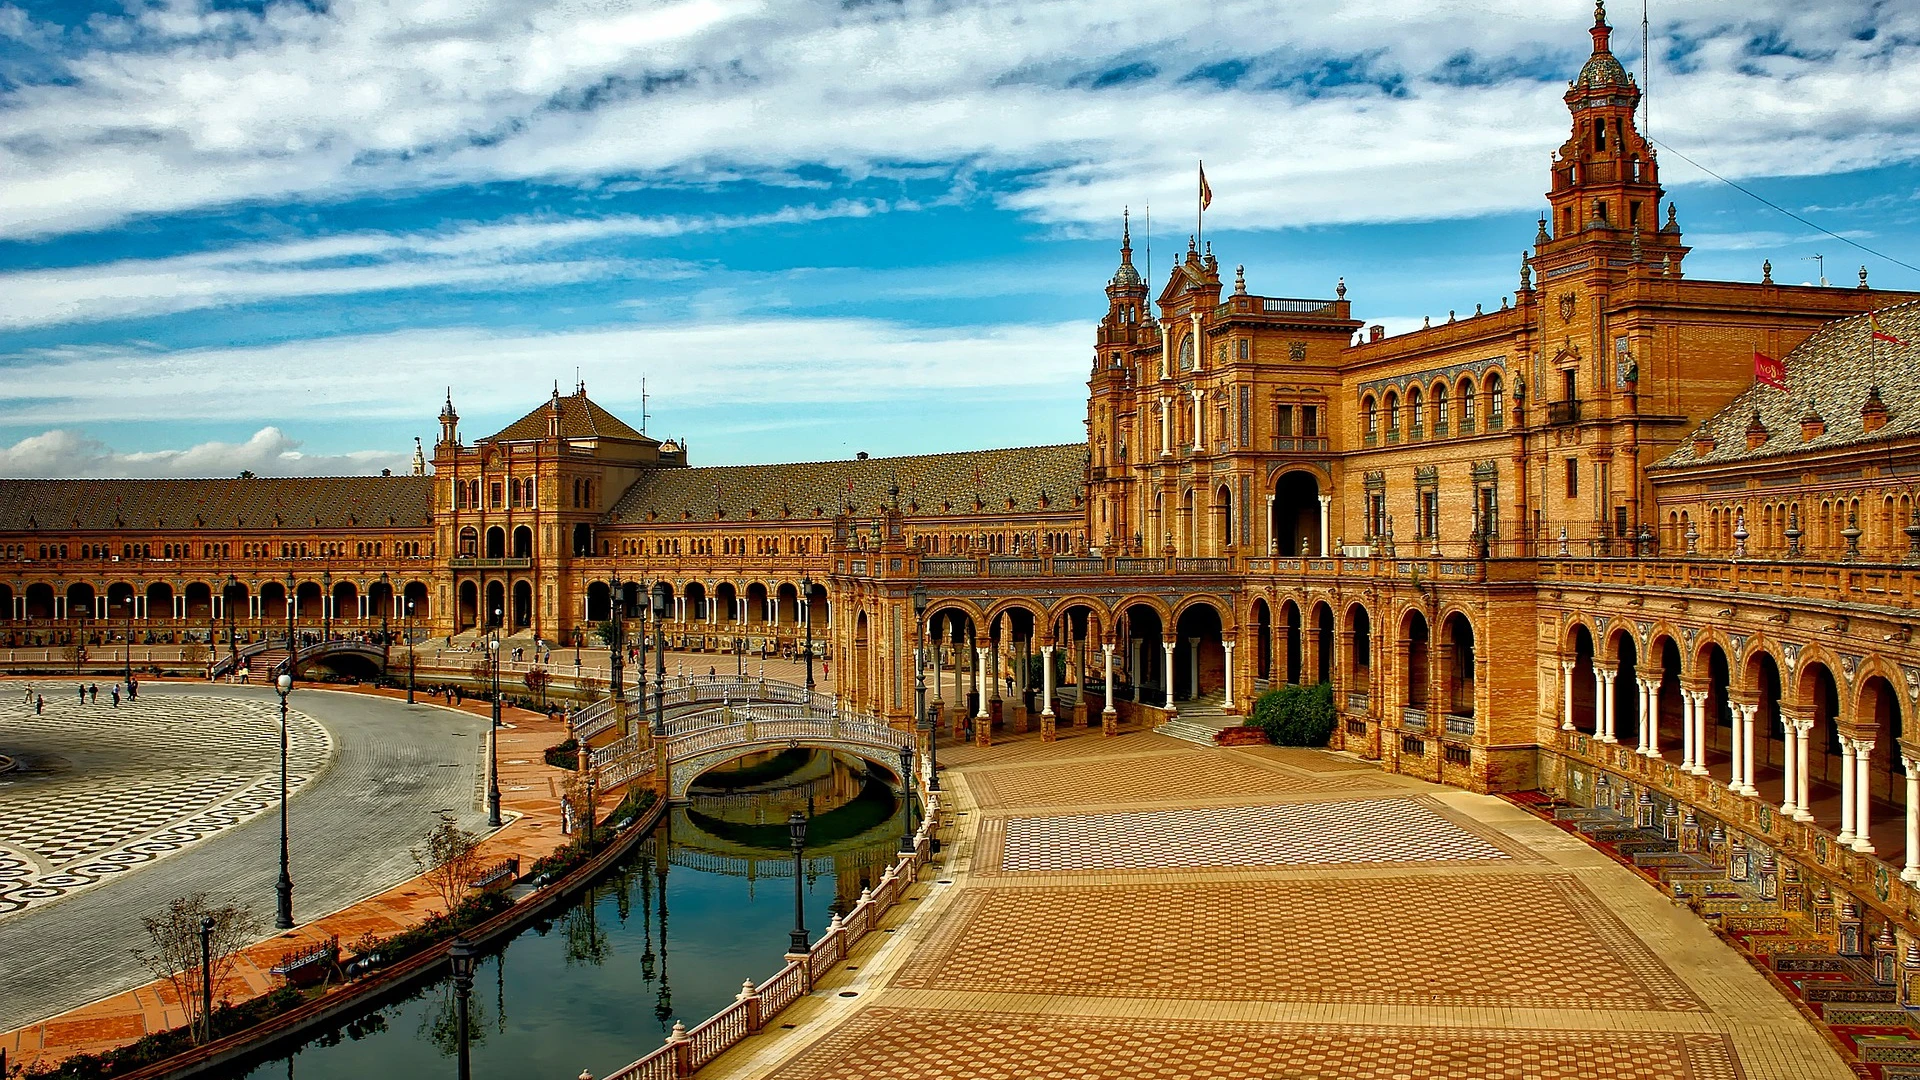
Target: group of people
pixel 89 693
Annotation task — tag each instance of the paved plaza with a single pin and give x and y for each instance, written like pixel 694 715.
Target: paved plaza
pixel 105 790
pixel 120 811
pixel 1263 912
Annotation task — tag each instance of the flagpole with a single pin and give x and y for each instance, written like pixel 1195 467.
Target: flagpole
pixel 1200 210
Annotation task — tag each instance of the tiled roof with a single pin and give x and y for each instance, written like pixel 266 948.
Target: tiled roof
pixel 929 484
pixel 580 418
pixel 1831 373
pixel 336 501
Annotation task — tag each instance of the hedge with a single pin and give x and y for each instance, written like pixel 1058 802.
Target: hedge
pixel 1296 715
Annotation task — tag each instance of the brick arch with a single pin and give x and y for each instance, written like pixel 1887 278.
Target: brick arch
pixel 1709 637
pixel 1144 600
pixel 1871 665
pixel 1015 603
pixel 1102 616
pixel 939 605
pixel 1229 615
pixel 1569 639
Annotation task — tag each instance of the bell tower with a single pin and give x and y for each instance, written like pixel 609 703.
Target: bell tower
pixel 449 422
pixel 1606 177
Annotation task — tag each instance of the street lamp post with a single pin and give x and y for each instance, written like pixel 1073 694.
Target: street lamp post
pixel 462 958
pixel 326 605
pixel 906 796
pixel 645 596
pixel 924 718
pixel 206 978
pixel 293 646
pixel 797 831
pixel 659 676
pixel 129 650
pixel 386 647
pixel 283 918
pixel 493 737
pixel 226 602
pixel 408 629
pixel 617 642
pixel 806 618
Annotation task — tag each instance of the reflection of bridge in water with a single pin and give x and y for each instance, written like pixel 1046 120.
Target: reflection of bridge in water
pixel 853 863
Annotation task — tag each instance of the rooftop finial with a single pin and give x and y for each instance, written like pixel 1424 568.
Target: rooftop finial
pixel 1126 228
pixel 1599 12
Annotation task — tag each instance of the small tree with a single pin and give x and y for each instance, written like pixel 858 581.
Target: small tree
pixel 176 957
pixel 537 680
pixel 75 653
pixel 449 859
pixel 585 798
pixel 1296 715
pixel 193 652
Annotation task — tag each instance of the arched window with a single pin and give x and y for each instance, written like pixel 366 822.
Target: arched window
pixel 1372 416
pixel 1186 353
pixel 1496 402
pixel 1466 406
pixel 1393 415
pixel 1441 419
pixel 1414 405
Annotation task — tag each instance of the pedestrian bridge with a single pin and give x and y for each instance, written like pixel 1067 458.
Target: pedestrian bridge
pixel 683 691
pixel 693 743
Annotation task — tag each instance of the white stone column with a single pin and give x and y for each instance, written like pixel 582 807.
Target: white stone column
pixel 1046 680
pixel 1746 750
pixel 1326 526
pixel 1912 871
pixel 1791 796
pixel 982 714
pixel 1862 789
pixel 1227 646
pixel 1735 773
pixel 1640 714
pixel 1106 651
pixel 1700 718
pixel 1847 779
pixel 1270 540
pixel 1686 730
pixel 1193 667
pixel 1167 673
pixel 1199 420
pixel 1652 714
pixel 1802 730
pixel 1566 695
pixel 1603 707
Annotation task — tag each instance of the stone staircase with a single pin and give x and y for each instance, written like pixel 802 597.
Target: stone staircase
pixel 1199 720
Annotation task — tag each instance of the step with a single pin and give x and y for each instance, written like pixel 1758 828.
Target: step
pixel 1192 733
pixel 1847 993
pixel 1817 964
pixel 1888 1050
pixel 1875 1016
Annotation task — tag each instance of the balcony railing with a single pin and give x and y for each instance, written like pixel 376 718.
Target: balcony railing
pixel 1301 444
pixel 1413 719
pixel 1359 703
pixel 1560 413
pixel 472 562
pixel 1460 725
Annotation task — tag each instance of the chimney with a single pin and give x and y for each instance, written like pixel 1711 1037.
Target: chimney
pixel 1812 425
pixel 1702 443
pixel 1757 433
pixel 1873 412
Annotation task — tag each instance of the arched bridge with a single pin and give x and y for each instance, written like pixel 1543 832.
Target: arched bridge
pixel 267 659
pixel 693 744
pixel 698 690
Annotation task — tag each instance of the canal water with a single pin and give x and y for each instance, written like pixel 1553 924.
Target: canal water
pixel 703 903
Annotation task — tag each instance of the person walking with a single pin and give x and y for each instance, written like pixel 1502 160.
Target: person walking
pixel 93 691
pixel 39 705
pixel 116 697
pixel 83 694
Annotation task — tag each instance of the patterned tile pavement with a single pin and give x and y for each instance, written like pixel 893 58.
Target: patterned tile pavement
pixel 1355 831
pixel 1464 940
pixel 118 788
pixel 1171 777
pixel 884 1043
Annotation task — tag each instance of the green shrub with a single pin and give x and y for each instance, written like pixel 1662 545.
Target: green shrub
pixel 1295 715
pixel 564 756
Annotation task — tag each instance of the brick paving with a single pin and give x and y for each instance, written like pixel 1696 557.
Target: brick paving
pixel 394 768
pixel 1294 914
pixel 111 789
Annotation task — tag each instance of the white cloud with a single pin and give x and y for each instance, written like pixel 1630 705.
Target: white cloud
pixel 1443 110
pixel 511 254
pixel 770 364
pixel 269 452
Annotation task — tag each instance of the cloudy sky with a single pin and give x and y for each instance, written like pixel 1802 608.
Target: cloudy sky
pixel 270 235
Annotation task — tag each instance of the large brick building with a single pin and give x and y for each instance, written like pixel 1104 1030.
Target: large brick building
pixel 1561 542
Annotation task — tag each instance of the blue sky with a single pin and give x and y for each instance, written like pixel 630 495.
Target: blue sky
pixel 269 236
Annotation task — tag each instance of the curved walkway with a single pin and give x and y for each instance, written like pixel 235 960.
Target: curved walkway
pixel 393 769
pixel 1137 907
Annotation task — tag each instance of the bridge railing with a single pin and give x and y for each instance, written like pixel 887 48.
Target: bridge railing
pixel 594 719
pixel 754 723
pixel 685 1051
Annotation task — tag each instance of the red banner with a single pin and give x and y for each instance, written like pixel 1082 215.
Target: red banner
pixel 1770 371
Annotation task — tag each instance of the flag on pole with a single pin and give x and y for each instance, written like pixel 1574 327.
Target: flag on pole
pixel 1769 371
pixel 1879 331
pixel 1206 192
